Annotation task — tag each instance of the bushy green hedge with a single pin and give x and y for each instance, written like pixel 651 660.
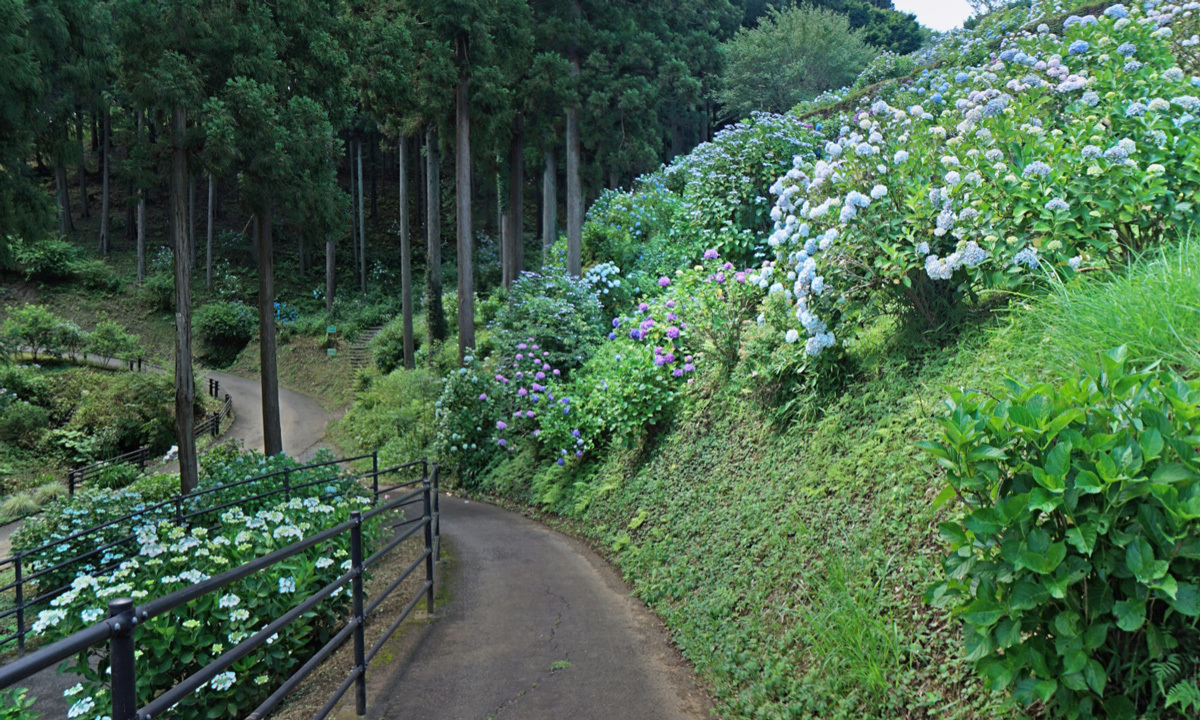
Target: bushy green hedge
pixel 1075 568
pixel 225 328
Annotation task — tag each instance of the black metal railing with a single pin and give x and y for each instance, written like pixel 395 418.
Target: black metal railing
pixel 76 477
pixel 102 556
pixel 212 423
pixel 120 628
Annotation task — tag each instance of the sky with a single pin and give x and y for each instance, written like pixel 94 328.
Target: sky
pixel 936 14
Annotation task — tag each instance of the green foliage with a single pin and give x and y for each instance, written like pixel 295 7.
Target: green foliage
pixel 1147 306
pixel 225 328
pixel 19 505
pixel 556 311
pixel 50 260
pixel 97 275
pixel 156 488
pixel 24 383
pixel 465 421
pixel 111 340
pixel 176 645
pixel 34 326
pixel 387 347
pixel 17 704
pixel 1077 561
pixel 394 415
pixel 795 53
pixel 159 291
pixel 116 477
pixel 23 424
pixel 885 66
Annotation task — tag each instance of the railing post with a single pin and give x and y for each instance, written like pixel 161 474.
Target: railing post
pixel 20 604
pixel 70 482
pixel 427 487
pixel 179 510
pixel 216 424
pixel 375 474
pixel 287 484
pixel 121 649
pixel 437 517
pixel 360 661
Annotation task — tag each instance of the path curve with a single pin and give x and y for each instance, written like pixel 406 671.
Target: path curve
pixel 522 598
pixel 302 420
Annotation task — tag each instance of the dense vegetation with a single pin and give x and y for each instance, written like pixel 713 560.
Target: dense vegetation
pixel 785 307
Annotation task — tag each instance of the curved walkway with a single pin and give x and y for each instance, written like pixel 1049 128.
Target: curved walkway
pixel 302 420
pixel 537 627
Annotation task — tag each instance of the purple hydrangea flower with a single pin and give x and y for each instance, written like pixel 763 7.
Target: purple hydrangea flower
pixel 540 376
pixel 670 303
pixel 560 461
pixel 670 358
pixel 664 281
pixel 522 346
pixel 578 453
pixel 616 323
pixel 672 332
pixel 611 336
pixel 677 372
pixel 659 360
pixel 635 334
pixel 710 254
pixel 741 278
pixel 522 392
pixel 502 442
pixel 643 307
pixel 529 413
pixel 575 433
pixel 483 397
pixel 500 425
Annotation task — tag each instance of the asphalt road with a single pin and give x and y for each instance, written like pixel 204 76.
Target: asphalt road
pixel 537 627
pixel 302 420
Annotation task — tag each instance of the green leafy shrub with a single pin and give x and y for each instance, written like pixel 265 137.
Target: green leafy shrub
pixel 387 347
pixel 176 645
pixel 23 424
pixel 557 311
pixel 156 488
pixel 466 420
pixel 111 340
pixel 34 326
pixel 393 415
pixel 225 328
pixel 123 411
pixel 24 383
pixel 159 291
pixel 69 338
pixel 51 259
pixel 885 66
pixel 48 492
pixel 16 704
pixel 115 477
pixel 1076 567
pixel 97 275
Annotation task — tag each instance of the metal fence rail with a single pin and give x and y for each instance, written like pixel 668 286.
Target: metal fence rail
pixel 120 628
pixel 181 508
pixel 78 476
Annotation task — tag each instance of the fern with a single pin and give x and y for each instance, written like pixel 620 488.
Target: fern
pixel 1186 694
pixel 1167 671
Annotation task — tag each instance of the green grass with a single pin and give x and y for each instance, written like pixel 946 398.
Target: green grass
pixel 1153 307
pixel 789 564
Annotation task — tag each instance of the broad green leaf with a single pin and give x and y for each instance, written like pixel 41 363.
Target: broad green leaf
pixel 1171 473
pixel 1130 614
pixel 1151 442
pixel 1094 675
pixel 1087 482
pixel 983 612
pixel 1083 538
pixel 1058 460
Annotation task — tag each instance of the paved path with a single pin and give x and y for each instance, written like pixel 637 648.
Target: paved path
pixel 302 420
pixel 523 598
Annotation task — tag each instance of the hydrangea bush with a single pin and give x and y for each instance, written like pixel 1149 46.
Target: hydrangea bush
pixel 174 646
pixel 1054 154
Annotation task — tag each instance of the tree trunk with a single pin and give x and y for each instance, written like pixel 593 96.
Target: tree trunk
pixel 185 383
pixel 272 433
pixel 300 252
pixel 549 202
pixel 362 230
pixel 330 273
pixel 435 313
pixel 406 308
pixel 83 194
pixel 574 187
pixel 505 250
pixel 192 220
pixel 65 224
pixel 516 199
pixel 373 160
pixel 353 212
pixel 462 180
pixel 105 199
pixel 96 131
pixel 208 245
pixel 501 225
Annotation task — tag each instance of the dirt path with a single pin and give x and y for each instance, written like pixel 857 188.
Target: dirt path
pixel 538 627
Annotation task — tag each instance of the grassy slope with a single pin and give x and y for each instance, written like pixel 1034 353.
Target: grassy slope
pixel 790 563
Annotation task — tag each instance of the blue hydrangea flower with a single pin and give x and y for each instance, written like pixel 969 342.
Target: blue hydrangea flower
pixel 1079 47
pixel 1037 167
pixel 1127 49
pixel 1058 205
pixel 1116 12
